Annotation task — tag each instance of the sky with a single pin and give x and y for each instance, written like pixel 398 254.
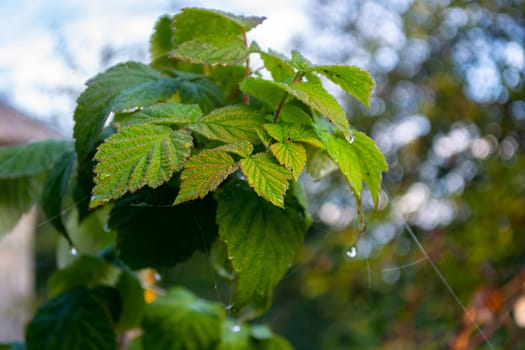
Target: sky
pixel 49 48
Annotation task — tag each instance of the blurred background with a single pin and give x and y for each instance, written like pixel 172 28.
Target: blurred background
pixel 448 111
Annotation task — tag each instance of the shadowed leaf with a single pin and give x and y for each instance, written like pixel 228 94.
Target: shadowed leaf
pixel 261 240
pixel 180 320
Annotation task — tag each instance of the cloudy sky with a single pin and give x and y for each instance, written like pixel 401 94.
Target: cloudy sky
pixel 49 48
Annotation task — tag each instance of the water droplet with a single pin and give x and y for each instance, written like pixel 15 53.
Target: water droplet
pixel 351 253
pixel 158 277
pixel 228 307
pixel 106 228
pixel 73 251
pixel 349 137
pixel 236 328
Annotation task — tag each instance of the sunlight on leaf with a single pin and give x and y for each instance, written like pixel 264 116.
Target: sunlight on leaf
pixel 359 161
pixel 230 124
pixel 290 154
pixel 203 173
pixel 159 113
pixel 137 156
pixel 126 85
pixel 267 177
pixel 353 80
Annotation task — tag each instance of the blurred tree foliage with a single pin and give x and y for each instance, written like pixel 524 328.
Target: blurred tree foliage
pixel 449 113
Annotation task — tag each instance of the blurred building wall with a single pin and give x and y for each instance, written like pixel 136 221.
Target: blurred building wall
pixel 16 247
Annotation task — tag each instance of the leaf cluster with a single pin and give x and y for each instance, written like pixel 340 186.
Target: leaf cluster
pixel 192 148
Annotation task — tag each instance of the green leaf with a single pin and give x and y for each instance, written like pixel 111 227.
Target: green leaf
pixel 230 124
pixel 261 239
pixel 359 161
pixel 159 113
pixel 22 173
pixel 295 114
pixel 220 262
pixel 55 190
pixel 133 304
pixel 228 78
pixel 315 96
pixel 319 163
pixel 241 336
pixel 271 94
pixel 203 173
pixel 241 148
pixel 275 343
pixel 84 182
pixel 137 156
pixel 199 90
pixel 210 37
pixel 161 39
pixel 290 154
pixel 265 139
pixel 299 61
pixel 283 132
pixel 268 178
pixel 153 233
pixel 267 91
pixel 181 321
pixel 124 86
pixel 235 336
pixel 312 94
pixel 278 65
pixel 297 189
pixel 211 50
pixel 78 319
pixel 353 80
pixel 85 271
pixel 31 158
pixel 17 197
pixel 191 23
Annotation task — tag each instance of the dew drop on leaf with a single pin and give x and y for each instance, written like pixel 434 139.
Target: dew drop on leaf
pixel 73 251
pixel 236 328
pixel 351 253
pixel 349 137
pixel 106 228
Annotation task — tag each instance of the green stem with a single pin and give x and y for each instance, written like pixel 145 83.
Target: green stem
pixel 295 80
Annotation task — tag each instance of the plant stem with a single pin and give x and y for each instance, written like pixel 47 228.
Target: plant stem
pixel 295 80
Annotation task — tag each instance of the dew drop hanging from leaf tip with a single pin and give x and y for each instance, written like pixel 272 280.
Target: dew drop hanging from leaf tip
pixel 73 251
pixel 351 253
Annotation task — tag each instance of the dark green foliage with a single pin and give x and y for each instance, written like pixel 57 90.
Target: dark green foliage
pixel 180 321
pixel 55 190
pixel 152 233
pixel 255 231
pixel 77 319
